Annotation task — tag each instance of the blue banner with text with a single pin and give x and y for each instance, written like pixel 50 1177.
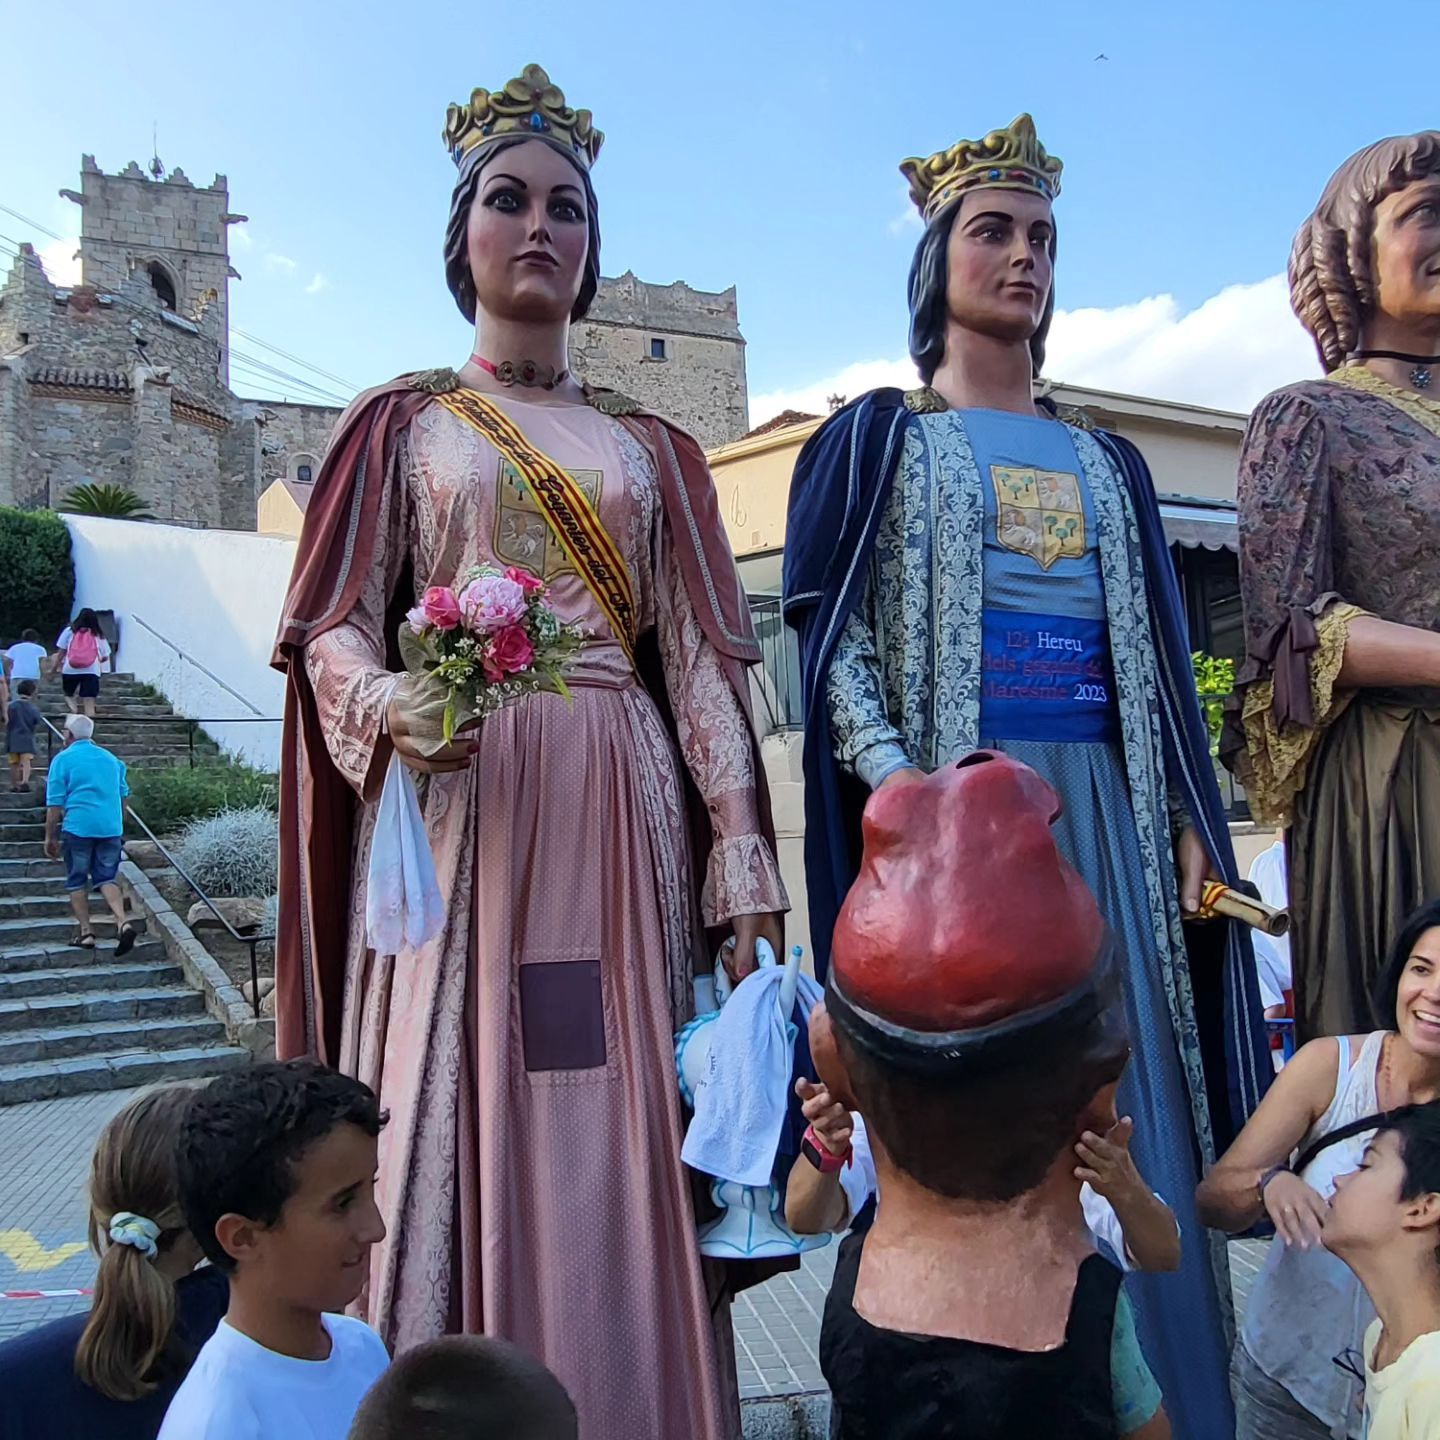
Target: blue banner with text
pixel 1046 677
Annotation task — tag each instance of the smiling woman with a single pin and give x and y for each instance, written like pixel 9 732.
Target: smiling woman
pixel 1306 1308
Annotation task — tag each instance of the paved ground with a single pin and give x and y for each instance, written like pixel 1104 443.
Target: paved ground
pixel 44 1157
pixel 44 1163
pixel 777 1329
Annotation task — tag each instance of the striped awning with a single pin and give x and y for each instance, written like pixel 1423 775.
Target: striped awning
pixel 1201 527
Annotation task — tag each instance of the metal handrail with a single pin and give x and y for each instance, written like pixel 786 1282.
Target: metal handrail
pixel 192 724
pixel 123 719
pixel 190 659
pixel 248 940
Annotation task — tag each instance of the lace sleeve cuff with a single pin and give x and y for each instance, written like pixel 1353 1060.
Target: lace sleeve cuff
pixel 742 878
pixel 878 762
pixel 1278 752
pixel 353 700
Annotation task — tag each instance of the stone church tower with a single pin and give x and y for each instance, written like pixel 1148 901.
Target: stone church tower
pixel 123 379
pixel 174 233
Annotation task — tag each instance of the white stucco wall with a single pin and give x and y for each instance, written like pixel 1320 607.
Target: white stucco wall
pixel 216 596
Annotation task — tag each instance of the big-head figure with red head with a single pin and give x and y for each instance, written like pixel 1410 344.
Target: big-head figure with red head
pixel 973 1018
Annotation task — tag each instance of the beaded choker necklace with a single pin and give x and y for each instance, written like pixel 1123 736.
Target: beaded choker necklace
pixel 529 373
pixel 1420 377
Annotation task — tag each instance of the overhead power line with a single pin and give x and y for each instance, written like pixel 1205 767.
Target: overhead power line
pixel 297 381
pixel 275 349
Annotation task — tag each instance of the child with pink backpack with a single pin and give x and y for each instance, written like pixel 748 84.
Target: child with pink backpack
pixel 81 653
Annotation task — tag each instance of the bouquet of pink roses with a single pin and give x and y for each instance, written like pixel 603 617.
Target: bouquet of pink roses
pixel 473 650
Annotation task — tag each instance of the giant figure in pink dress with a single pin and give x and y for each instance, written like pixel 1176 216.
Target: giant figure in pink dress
pixel 591 852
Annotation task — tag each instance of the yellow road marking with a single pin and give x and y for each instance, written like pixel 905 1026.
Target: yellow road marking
pixel 28 1255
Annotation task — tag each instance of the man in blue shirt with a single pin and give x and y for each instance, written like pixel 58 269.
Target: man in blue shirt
pixel 84 794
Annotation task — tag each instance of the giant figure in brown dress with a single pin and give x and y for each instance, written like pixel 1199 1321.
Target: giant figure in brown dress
pixel 1336 733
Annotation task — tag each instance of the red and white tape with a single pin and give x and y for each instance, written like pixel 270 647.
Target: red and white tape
pixel 42 1294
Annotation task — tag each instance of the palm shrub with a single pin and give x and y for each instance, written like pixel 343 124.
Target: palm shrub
pixel 233 853
pixel 37 576
pixel 112 502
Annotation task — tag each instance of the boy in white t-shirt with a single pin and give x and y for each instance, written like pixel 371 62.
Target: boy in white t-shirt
pixel 24 658
pixel 277 1176
pixel 1384 1223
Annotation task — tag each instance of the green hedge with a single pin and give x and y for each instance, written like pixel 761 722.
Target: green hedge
pixel 168 799
pixel 37 575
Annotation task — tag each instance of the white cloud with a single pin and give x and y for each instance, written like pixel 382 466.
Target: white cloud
pixel 279 262
pixel 240 238
pixel 61 261
pixel 318 284
pixel 907 218
pixel 852 381
pixel 1226 353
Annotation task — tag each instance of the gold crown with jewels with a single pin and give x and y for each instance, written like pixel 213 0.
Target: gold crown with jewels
pixel 529 105
pixel 1009 159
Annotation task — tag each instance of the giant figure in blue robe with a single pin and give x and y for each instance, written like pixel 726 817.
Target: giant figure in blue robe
pixel 965 570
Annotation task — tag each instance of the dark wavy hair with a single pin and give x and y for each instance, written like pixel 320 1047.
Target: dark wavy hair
pixel 1332 283
pixel 929 307
pixel 245 1132
pixel 457 252
pixel 1387 984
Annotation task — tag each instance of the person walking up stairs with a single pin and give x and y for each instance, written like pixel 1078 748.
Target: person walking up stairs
pixel 76 1020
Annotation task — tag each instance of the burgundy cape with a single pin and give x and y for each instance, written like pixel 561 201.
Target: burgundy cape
pixel 318 807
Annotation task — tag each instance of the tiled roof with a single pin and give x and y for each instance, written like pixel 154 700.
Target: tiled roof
pixel 74 377
pixel 188 400
pixel 779 422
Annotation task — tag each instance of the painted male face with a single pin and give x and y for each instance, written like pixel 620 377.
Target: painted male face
pixel 1417 998
pixel 315 1255
pixel 528 235
pixel 1000 267
pixel 1407 252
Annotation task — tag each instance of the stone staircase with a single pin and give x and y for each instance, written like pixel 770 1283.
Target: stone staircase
pixel 74 1020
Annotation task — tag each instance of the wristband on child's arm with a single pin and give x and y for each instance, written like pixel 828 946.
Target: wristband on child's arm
pixel 819 1154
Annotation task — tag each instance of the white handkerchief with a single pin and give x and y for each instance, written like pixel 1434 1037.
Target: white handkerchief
pixel 403 904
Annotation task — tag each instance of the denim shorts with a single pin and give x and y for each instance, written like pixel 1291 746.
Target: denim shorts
pixel 89 861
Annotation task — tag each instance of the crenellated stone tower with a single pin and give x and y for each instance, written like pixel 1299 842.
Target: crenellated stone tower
pixel 173 233
pixel 672 347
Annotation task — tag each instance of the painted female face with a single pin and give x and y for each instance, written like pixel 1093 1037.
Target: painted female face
pixel 528 235
pixel 1407 251
pixel 1000 265
pixel 1417 999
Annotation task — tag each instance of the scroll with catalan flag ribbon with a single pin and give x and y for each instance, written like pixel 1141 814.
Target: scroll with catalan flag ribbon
pixel 567 510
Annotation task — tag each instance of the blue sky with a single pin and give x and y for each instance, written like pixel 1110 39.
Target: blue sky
pixel 753 144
